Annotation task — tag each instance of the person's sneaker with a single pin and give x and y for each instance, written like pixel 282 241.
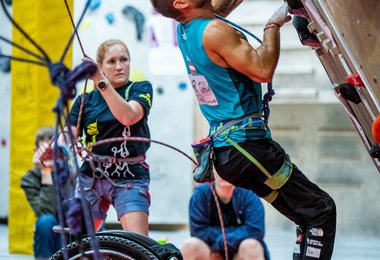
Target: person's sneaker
pixel 306 37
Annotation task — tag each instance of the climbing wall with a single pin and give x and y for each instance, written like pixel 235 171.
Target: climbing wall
pixel 349 34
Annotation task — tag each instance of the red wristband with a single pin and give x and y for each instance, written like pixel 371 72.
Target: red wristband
pixel 271 25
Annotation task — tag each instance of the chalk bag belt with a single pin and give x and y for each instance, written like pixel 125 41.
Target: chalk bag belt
pixel 248 120
pixel 203 150
pixel 275 181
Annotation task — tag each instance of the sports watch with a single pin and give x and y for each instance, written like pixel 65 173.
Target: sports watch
pixel 102 84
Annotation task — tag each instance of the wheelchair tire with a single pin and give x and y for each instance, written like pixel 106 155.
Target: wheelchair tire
pixel 110 247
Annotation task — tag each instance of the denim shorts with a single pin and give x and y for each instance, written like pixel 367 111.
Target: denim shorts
pixel 101 193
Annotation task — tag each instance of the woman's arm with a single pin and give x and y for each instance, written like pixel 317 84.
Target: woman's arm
pixel 126 112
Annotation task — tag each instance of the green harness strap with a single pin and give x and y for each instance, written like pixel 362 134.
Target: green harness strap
pixel 250 157
pixel 275 181
pixel 271 197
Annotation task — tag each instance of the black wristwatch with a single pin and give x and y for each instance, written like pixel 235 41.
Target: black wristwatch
pixel 102 85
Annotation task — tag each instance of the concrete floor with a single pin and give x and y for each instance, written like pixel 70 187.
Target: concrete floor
pixel 280 244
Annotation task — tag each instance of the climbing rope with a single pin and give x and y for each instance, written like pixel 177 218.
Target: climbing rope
pixel 270 91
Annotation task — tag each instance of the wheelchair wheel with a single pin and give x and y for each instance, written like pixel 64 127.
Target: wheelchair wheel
pixel 110 247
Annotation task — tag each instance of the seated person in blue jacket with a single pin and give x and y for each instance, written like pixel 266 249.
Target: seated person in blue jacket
pixel 243 217
pixel 39 190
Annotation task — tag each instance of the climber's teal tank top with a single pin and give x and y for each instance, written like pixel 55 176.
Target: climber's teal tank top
pixel 223 93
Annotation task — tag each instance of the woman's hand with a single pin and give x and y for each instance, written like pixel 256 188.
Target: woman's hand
pixel 97 76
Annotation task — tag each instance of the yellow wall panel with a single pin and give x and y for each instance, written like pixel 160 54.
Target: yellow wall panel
pixel 32 99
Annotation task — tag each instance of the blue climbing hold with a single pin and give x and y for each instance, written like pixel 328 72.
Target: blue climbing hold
pixel 182 85
pixel 110 18
pixel 5 63
pixel 139 19
pixel 94 4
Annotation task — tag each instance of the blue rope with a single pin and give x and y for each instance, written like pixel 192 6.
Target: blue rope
pixel 15 24
pixel 22 48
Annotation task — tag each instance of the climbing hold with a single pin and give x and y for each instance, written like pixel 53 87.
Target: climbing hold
pixel 137 74
pixel 5 63
pixel 160 90
pixel 375 151
pixel 349 92
pixel 110 18
pixel 85 24
pixel 376 130
pixel 355 80
pixel 182 85
pixel 94 4
pixel 139 19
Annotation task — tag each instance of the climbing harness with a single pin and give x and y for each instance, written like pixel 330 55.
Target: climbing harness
pixel 111 160
pixel 114 160
pixel 275 181
pixel 203 149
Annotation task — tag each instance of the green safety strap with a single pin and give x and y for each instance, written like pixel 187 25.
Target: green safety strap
pixel 275 181
pixel 271 196
pixel 250 157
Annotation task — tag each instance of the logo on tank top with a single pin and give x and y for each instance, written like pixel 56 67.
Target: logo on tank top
pixel 202 90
